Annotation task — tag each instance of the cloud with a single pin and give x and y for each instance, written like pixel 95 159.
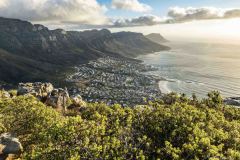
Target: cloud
pixel 3 3
pixel 132 5
pixel 70 14
pixel 74 11
pixel 189 14
pixel 234 13
pixel 178 14
pixel 146 20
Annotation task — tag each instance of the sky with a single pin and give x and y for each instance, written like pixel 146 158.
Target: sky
pixel 190 20
pixel 161 7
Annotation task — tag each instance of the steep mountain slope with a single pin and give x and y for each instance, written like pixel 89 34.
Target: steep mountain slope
pixel 33 52
pixel 156 37
pixel 130 44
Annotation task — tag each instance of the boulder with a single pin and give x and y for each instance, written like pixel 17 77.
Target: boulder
pixel 10 147
pixel 234 101
pixel 4 94
pixel 58 99
pixel 77 102
pixel 37 89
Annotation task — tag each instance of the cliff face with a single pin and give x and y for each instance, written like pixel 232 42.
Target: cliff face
pixel 33 52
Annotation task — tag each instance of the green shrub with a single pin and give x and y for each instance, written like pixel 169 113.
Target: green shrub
pixel 173 128
pixel 13 92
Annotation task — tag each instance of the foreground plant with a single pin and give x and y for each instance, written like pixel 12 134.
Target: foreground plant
pixel 174 127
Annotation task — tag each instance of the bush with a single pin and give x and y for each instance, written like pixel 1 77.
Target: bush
pixel 174 128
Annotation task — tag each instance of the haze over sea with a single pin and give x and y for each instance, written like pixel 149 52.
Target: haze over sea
pixel 198 68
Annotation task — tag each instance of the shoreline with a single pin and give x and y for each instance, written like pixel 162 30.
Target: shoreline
pixel 163 86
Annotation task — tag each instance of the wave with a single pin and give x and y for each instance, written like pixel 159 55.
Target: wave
pixel 163 85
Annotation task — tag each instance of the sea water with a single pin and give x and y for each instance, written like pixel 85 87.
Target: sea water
pixel 198 68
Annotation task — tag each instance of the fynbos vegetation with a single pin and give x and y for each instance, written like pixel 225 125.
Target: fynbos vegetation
pixel 175 127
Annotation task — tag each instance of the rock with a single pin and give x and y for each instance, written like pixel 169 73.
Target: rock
pixel 58 99
pixel 10 147
pixel 234 101
pixel 37 89
pixel 4 94
pixel 77 102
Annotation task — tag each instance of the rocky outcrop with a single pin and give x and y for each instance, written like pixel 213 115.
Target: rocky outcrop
pixel 10 147
pixel 38 89
pixel 58 99
pixel 77 102
pixel 234 101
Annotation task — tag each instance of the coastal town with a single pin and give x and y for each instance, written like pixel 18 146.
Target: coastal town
pixel 115 80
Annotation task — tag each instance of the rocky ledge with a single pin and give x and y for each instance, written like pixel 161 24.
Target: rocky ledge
pixel 57 98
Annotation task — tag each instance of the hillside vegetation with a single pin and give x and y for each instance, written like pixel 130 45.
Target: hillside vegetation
pixel 174 127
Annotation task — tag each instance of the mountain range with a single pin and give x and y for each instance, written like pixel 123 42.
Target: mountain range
pixel 32 52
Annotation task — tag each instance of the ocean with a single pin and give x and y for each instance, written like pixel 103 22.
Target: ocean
pixel 198 68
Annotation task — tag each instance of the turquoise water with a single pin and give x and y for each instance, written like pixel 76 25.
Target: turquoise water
pixel 198 68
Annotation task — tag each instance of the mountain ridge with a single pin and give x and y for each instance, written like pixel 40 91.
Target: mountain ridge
pixel 157 38
pixel 31 52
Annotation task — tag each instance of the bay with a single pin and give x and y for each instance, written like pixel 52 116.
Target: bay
pixel 198 68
